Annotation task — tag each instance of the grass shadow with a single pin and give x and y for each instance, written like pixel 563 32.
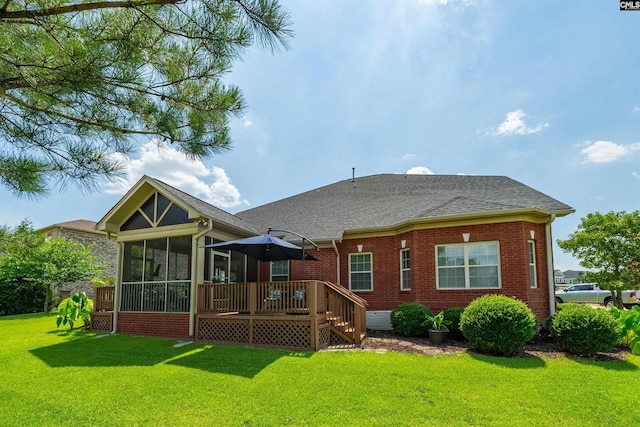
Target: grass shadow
pixel 231 360
pixel 516 362
pixel 604 361
pixel 85 349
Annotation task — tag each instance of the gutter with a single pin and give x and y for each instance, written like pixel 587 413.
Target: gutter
pixel 550 275
pixel 195 276
pixel 477 216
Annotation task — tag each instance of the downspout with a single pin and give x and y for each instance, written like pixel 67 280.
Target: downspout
pixel 550 275
pixel 335 248
pixel 118 288
pixel 195 276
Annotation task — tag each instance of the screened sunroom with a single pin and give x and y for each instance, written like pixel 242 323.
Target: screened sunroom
pixel 161 232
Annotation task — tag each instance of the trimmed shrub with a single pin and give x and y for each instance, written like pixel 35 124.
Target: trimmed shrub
pixel 407 319
pixel 497 324
pixel 453 315
pixel 582 330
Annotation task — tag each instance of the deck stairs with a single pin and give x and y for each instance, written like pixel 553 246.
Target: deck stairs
pixel 346 314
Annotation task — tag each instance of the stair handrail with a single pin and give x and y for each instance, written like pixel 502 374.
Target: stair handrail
pixel 347 293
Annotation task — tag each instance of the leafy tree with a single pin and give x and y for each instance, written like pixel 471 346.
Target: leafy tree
pixel 18 293
pixel 81 79
pixel 608 245
pixel 32 267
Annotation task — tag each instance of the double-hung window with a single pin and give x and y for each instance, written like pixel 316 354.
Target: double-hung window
pixel 280 270
pixel 405 270
pixel 533 280
pixel 468 265
pixel 360 272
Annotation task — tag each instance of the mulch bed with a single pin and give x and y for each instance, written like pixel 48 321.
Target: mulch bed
pixel 381 341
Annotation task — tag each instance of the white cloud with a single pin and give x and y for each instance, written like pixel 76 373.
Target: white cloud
pixel 434 2
pixel 636 109
pixel 247 123
pixel 606 151
pixel 443 2
pixel 636 175
pixel 514 124
pixel 176 169
pixel 408 157
pixel 419 170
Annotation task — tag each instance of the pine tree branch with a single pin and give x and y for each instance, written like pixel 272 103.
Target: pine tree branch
pixel 10 15
pixel 13 83
pixel 74 119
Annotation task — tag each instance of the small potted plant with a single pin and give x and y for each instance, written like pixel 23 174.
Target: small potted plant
pixel 437 328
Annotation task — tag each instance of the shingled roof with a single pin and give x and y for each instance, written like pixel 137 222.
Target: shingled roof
pixel 388 200
pixel 77 225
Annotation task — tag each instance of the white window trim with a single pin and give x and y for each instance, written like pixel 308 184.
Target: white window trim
pixel 370 272
pixel 280 275
pixel 531 249
pixel 402 270
pixel 467 286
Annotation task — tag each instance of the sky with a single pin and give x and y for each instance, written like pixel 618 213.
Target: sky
pixel 544 92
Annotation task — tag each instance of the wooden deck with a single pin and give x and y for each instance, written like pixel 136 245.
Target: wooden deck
pixel 297 315
pixel 300 315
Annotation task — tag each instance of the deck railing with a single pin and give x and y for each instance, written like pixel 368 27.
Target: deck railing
pixel 258 297
pixel 103 298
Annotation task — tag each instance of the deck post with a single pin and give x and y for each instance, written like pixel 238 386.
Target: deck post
pixel 315 336
pixel 253 298
pixel 253 307
pixel 357 324
pixel 313 298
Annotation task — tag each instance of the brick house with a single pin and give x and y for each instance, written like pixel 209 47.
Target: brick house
pixel 104 248
pixel 386 239
pixel 434 239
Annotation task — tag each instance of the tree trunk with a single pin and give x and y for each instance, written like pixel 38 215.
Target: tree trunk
pixel 617 299
pixel 47 300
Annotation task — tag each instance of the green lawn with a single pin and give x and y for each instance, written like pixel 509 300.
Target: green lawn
pixel 53 377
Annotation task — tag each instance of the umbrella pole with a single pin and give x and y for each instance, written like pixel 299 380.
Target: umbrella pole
pixel 269 230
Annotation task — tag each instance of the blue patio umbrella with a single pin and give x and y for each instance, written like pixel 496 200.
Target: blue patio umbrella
pixel 264 248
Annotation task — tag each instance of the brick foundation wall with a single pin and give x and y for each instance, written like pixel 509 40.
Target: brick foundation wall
pixel 167 325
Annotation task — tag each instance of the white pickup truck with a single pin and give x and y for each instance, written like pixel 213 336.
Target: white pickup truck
pixel 589 293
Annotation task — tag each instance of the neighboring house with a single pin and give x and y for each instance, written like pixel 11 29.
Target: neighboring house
pixel 84 232
pixel 567 278
pixel 437 240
